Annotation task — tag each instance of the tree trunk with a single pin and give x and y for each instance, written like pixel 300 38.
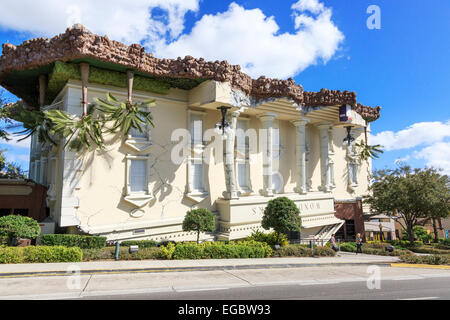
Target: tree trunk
pixel 278 238
pixel 435 229
pixel 198 237
pixel 410 232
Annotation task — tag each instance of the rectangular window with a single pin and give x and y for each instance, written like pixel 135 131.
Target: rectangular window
pixel 197 186
pixel 138 175
pixel 196 129
pixel 5 212
pixel 197 176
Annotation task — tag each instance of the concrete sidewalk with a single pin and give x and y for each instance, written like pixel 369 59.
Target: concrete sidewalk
pixel 105 267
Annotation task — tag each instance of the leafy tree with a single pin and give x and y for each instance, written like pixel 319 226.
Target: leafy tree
pixel 14 226
pixel 440 209
pixel 199 220
pixel 282 215
pixel 4 119
pixel 419 234
pixel 9 170
pixel 413 193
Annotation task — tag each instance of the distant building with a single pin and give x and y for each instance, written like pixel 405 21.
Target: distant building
pixel 380 227
pixel 136 189
pixel 25 198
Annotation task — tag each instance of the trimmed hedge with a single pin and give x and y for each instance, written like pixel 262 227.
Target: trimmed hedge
pixel 40 254
pixel 73 240
pixel 437 259
pixel 140 243
pixel 375 248
pixel 222 250
pixel 295 250
pixel 109 252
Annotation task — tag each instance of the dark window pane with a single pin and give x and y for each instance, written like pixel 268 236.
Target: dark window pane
pixel 21 212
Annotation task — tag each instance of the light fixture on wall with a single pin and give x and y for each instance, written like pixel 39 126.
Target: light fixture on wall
pixel 349 139
pixel 223 127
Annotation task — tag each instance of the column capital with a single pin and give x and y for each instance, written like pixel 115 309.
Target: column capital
pixel 300 122
pixel 269 116
pixel 235 113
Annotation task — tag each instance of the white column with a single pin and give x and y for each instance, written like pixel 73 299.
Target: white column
pixel 324 157
pixel 300 149
pixel 267 121
pixel 43 171
pixel 230 175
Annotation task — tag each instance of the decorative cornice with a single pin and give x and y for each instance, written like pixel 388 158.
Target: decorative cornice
pixel 78 43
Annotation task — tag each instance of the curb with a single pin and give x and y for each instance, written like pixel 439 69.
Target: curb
pixel 423 266
pixel 182 269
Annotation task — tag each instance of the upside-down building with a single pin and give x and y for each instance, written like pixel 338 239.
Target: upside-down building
pixel 221 140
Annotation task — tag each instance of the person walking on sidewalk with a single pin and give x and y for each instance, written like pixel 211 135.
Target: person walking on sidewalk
pixel 333 242
pixel 358 243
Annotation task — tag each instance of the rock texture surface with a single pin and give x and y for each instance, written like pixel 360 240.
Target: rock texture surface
pixel 78 43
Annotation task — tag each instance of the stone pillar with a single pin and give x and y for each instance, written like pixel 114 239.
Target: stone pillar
pixel 267 120
pixel 42 89
pixel 300 154
pixel 325 174
pixel 130 80
pixel 230 175
pixel 84 70
pixel 43 171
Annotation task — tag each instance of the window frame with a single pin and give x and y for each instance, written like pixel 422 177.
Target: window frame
pixel 138 198
pixel 196 156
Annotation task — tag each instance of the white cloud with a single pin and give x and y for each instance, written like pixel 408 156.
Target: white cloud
pixel 251 39
pixel 309 5
pixel 127 21
pixel 422 133
pixel 240 36
pixel 437 155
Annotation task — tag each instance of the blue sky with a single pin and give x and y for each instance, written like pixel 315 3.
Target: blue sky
pixel 403 67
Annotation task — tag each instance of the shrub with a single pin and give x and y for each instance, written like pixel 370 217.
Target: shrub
pixel 108 253
pixel 444 243
pixel 73 240
pixel 222 250
pixel 40 254
pixel 199 220
pixel 14 226
pixel 140 243
pixel 324 252
pixel 296 250
pixel 282 215
pixel 348 246
pixel 269 238
pixel 430 250
pixel 433 259
pixel 166 252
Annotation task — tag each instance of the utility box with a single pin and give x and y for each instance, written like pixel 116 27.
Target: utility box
pixel 47 227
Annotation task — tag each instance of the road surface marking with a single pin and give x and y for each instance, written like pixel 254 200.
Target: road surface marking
pixel 423 298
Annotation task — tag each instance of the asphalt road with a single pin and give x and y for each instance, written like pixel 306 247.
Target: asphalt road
pixel 338 282
pixel 408 289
